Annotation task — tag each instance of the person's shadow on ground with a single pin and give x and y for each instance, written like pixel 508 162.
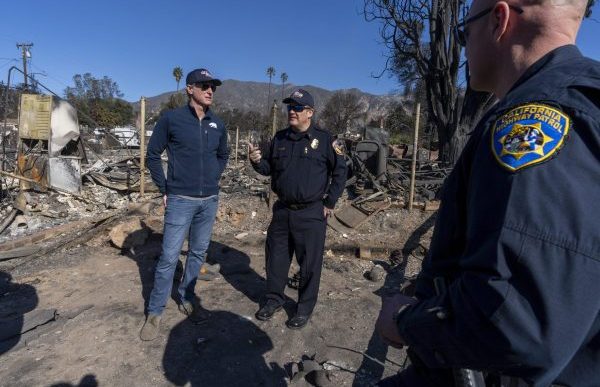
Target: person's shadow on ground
pixel 394 279
pixel 237 271
pixel 225 351
pixel 88 380
pixel 15 301
pixel 145 256
pixel 235 266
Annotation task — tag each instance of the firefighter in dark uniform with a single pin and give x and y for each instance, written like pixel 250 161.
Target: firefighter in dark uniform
pixel 308 174
pixel 510 287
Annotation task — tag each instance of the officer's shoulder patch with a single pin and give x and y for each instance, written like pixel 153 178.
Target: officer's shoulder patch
pixel 528 134
pixel 338 147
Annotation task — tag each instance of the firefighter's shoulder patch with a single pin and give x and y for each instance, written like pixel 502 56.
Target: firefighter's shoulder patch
pixel 338 147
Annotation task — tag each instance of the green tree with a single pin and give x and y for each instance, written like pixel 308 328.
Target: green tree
pixel 9 101
pixel 284 78
pixel 178 73
pixel 175 100
pixel 98 101
pixel 270 74
pixel 245 120
pixel 400 122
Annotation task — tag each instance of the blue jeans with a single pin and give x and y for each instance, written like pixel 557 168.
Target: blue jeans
pixel 182 217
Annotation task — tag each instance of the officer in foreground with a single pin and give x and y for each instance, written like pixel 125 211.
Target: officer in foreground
pixel 516 250
pixel 308 174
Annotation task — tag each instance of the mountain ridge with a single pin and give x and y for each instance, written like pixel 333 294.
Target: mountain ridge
pixel 254 96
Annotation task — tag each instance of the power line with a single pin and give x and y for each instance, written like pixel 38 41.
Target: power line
pixel 8 61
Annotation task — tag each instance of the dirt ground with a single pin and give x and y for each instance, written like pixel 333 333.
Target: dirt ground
pixel 95 294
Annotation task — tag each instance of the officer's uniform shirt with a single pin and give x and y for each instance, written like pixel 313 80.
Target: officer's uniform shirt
pixel 517 237
pixel 301 164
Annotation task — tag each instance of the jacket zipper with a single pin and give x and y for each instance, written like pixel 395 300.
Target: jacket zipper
pixel 202 175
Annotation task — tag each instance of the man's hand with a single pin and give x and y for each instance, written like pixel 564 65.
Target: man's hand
pixel 327 212
pixel 254 153
pixel 386 324
pixel 165 200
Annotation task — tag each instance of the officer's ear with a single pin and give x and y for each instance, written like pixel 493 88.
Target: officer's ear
pixel 309 113
pixel 501 14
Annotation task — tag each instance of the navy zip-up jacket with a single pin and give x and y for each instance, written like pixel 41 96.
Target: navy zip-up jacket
pixel 197 151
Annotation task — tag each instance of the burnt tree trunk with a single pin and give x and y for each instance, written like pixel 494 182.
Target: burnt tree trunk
pixel 474 105
pixel 423 46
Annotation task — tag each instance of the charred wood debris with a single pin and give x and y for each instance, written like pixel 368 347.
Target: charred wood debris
pixel 95 179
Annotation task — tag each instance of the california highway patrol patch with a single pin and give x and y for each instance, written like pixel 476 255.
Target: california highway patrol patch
pixel 527 135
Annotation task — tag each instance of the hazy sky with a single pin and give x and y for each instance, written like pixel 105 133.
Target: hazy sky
pixel 325 43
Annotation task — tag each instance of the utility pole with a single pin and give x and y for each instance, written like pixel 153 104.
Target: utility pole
pixel 26 54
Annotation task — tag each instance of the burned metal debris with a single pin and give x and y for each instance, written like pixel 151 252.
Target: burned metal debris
pixel 122 174
pixel 377 181
pixel 374 170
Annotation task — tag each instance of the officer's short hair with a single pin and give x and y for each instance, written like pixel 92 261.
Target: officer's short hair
pixel 588 7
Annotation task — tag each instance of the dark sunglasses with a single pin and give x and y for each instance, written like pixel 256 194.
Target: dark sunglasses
pixel 462 33
pixel 297 108
pixel 205 86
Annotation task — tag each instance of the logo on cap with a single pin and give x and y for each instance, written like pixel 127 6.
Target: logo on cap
pixel 297 94
pixel 206 73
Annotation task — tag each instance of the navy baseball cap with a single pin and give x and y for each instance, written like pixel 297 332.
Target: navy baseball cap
pixel 201 76
pixel 301 97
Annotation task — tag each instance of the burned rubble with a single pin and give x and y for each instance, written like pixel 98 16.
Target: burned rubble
pixel 110 180
pixel 113 214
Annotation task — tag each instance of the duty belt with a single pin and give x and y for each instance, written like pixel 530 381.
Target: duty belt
pixel 297 206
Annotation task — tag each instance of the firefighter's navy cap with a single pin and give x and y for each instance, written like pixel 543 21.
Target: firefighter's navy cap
pixel 300 97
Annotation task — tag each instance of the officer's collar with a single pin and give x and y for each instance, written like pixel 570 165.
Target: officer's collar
pixel 554 57
pixel 295 135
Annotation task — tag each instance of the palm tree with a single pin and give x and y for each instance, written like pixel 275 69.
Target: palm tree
pixel 284 78
pixel 178 73
pixel 271 74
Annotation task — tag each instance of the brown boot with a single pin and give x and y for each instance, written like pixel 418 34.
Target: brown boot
pixel 206 274
pixel 194 311
pixel 150 329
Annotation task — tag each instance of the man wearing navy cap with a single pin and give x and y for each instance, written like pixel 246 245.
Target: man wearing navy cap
pixel 196 144
pixel 308 174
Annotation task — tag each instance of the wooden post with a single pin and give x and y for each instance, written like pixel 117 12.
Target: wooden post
pixel 274 118
pixel 237 141
pixel 413 169
pixel 273 131
pixel 142 144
